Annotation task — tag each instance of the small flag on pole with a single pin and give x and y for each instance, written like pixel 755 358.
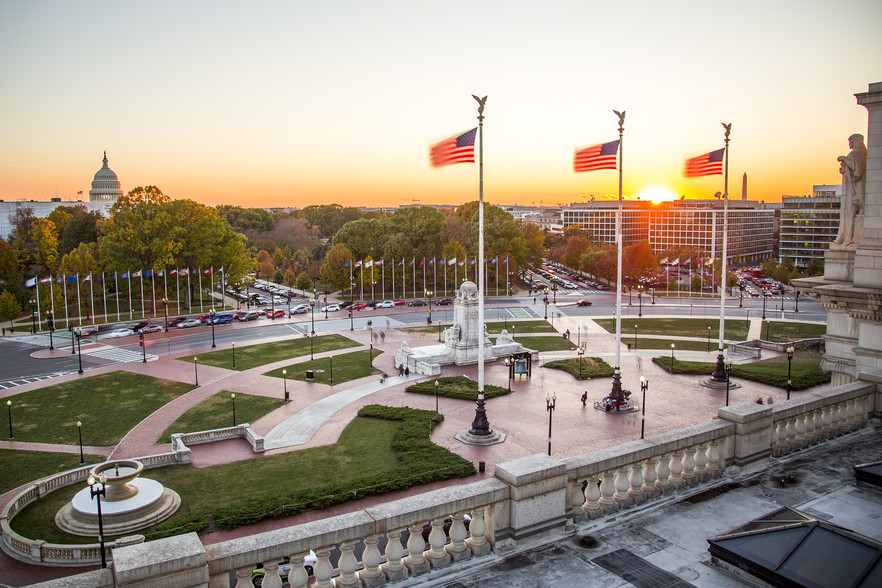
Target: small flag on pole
pixel 709 164
pixel 596 157
pixel 451 261
pixel 31 283
pixel 456 149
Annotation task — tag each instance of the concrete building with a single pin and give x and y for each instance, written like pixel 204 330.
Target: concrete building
pixel 808 224
pixel 681 224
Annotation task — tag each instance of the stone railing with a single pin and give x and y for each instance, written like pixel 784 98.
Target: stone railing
pixel 529 501
pixel 38 551
pixel 180 441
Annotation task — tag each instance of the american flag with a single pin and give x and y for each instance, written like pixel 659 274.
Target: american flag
pixel 709 164
pixel 596 157
pixel 456 149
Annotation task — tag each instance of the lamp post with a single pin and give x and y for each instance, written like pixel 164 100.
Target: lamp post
pixel 545 300
pixel 50 322
pixel 580 351
pixel 371 360
pixel 789 362
pixel 708 337
pixel 312 347
pixel 640 300
pixel 33 318
pixel 211 314
pixel 96 492
pixel 80 434
pixel 351 302
pixel 143 347
pixel 331 360
pixel 79 333
pixel 165 310
pixel 741 296
pixel 728 376
pixel 9 409
pixel 326 307
pixel 554 292
pixel 233 398
pixel 796 308
pixel 234 355
pixel 672 358
pixel 644 384
pixel 429 296
pixel 73 348
pixel 436 396
pixel 764 305
pixel 508 371
pixel 196 370
pixel 549 406
pixel 312 308
pixel 635 335
pixel 284 383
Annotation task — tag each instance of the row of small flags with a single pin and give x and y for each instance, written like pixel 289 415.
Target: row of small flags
pixel 461 149
pixel 701 260
pixel 125 276
pixel 442 261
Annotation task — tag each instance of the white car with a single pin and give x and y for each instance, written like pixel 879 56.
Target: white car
pixel 386 304
pixel 119 333
pixel 333 307
pixel 186 324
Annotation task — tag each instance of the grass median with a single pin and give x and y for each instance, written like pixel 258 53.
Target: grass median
pixel 493 328
pixel 456 387
pixel 20 467
pixel 345 366
pixel 252 356
pixel 216 412
pixel 584 369
pixel 736 329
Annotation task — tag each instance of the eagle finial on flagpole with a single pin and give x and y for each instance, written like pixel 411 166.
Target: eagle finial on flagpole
pixel 621 116
pixel 728 128
pixel 481 102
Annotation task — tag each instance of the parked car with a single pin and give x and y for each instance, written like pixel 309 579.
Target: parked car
pixel 300 309
pixel 583 303
pixel 187 323
pixel 150 329
pixel 278 313
pixel 417 302
pixel 358 306
pixel 400 302
pixel 386 304
pixel 251 315
pixel 332 307
pixel 119 333
pixel 445 301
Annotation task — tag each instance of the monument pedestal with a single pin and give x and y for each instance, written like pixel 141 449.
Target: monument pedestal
pixel 839 266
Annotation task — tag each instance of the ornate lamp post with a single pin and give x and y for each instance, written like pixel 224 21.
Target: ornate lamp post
pixel 429 296
pixel 234 355
pixel 672 358
pixel 508 371
pixel 789 362
pixel 708 338
pixel 728 377
pixel 233 398
pixel 165 310
pixel 9 409
pixel 284 383
pixel 635 335
pixel 79 333
pixel 550 401
pixel 796 308
pixel 644 384
pixel 50 322
pixel 371 360
pixel 211 315
pixel 580 351
pixel 312 309
pixel 764 305
pixel 80 433
pixel 640 300
pixel 436 396
pixel 545 300
pixel 73 348
pixel 312 347
pixel 96 492
pixel 331 360
pixel 143 347
pixel 196 370
pixel 326 306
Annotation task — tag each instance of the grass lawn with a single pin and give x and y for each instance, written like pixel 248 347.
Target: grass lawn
pixel 592 367
pixel 252 356
pixel 216 412
pixel 109 406
pixel 494 328
pixel 546 343
pixel 781 331
pixel 806 369
pixel 736 330
pixel 457 387
pixel 652 343
pixel 382 450
pixel 21 467
pixel 347 366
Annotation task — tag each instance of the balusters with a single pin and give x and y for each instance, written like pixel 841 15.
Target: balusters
pixel 799 424
pixel 622 486
pixel 676 468
pixel 436 555
pixel 635 481
pixel 701 462
pixel 271 578
pixel 243 578
pixel 688 474
pixel 416 561
pixel 607 490
pixel 810 435
pixel 371 575
pixel 457 549
pixel 297 577
pixel 650 477
pixel 477 542
pixel 790 428
pixel 394 567
pixel 348 565
pixel 663 469
pixel 714 468
pixel 591 506
pixel 323 569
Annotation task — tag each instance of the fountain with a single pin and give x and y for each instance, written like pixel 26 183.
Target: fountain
pixel 130 502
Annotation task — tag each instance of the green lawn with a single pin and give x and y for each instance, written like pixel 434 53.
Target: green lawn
pixel 457 387
pixel 382 450
pixel 541 343
pixel 591 367
pixel 781 331
pixel 736 330
pixel 108 405
pixel 21 467
pixel 252 356
pixel 683 345
pixel 216 412
pixel 805 371
pixel 346 366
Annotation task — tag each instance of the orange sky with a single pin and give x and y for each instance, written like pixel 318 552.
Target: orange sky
pixel 288 104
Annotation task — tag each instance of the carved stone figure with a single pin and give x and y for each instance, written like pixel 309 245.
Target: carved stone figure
pixel 853 168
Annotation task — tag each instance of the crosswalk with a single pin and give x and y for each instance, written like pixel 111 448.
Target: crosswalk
pixel 118 354
pixel 12 383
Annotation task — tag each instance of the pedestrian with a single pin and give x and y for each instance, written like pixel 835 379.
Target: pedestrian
pixel 4 331
pixel 400 370
pixel 534 300
pixel 407 372
pixel 584 397
pixel 568 333
pixel 383 336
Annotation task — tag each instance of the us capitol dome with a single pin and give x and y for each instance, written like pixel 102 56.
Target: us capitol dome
pixel 105 186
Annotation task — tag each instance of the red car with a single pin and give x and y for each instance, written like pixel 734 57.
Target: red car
pixel 358 306
pixel 583 303
pixel 400 302
pixel 280 313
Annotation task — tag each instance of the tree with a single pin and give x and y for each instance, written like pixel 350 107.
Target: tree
pixel 277 276
pixel 637 261
pixel 576 247
pixel 20 237
pixel 10 271
pixel 290 278
pixel 303 282
pixel 45 242
pixel 534 241
pixel 333 272
pixel 81 227
pixel 363 237
pixel 422 227
pixel 9 307
pixel 140 232
pixel 82 261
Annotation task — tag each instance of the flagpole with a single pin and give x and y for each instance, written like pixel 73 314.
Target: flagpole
pixel 178 288
pixel 52 296
pixel 66 317
pixel 37 292
pixel 131 310
pixel 104 293
pixel 200 289
pixel 435 275
pixel 189 291
pixel 719 374
pixel 383 276
pixel 116 289
pixel 143 312
pixel 393 277
pixel 92 297
pixel 616 392
pixel 480 425
pixel 79 303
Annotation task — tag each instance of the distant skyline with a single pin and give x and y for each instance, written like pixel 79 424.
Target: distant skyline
pixel 275 104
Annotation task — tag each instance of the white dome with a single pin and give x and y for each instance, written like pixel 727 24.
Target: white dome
pixel 105 186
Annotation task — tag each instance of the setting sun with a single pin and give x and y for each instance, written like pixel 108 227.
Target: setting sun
pixel 657 194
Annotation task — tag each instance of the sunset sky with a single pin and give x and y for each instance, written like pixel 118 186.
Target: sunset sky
pixel 296 103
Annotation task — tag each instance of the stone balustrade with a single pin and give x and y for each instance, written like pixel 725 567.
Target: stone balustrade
pixel 180 441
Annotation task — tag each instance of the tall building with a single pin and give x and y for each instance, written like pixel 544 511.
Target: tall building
pixel 681 224
pixel 809 224
pixel 105 185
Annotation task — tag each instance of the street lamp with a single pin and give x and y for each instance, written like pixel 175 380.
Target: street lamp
pixel 312 308
pixel 9 408
pixel 644 384
pixel 96 492
pixel 640 300
pixel 80 432
pixel 436 396
pixel 708 338
pixel 233 398
pixel 789 362
pixel 50 322
pixel 211 314
pixel 672 358
pixel 33 318
pixel 764 305
pixel 326 306
pixel 796 308
pixel 331 360
pixel 545 300
pixel 351 302
pixel 234 355
pixel 508 370
pixel 371 360
pixel 143 348
pixel 312 347
pixel 79 333
pixel 635 335
pixel 73 348
pixel 196 371
pixel 728 364
pixel 284 383
pixel 550 401
pixel 165 309
pixel 580 351
pixel 429 296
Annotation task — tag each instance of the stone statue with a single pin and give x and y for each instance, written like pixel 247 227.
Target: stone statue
pixel 853 168
pixel 504 337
